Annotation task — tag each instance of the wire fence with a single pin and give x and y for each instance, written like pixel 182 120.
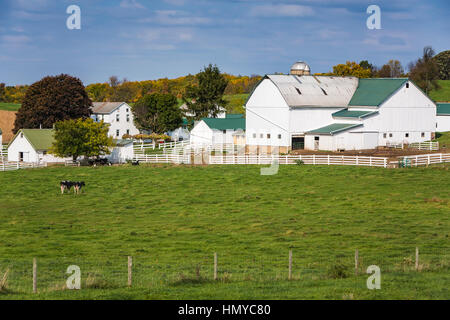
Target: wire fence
pixel 143 271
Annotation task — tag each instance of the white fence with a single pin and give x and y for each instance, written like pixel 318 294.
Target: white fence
pixel 13 165
pixel 162 158
pixel 307 159
pixel 140 147
pixel 428 145
pixel 427 159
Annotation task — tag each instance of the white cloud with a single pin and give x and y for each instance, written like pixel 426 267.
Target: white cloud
pixel 282 10
pixel 15 40
pixel 173 17
pixel 133 4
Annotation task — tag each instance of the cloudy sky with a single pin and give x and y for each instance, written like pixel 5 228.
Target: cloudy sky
pixel 150 39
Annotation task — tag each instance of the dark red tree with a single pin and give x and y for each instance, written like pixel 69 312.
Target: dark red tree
pixel 52 99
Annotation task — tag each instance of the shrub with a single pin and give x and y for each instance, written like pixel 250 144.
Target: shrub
pixel 337 271
pixel 299 162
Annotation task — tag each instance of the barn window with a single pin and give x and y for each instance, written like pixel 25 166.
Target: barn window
pixel 298 90
pixel 316 138
pixel 406 135
pixel 254 136
pixel 390 135
pixel 117 133
pixel 128 118
pixel 117 117
pixel 21 135
pixel 407 85
pixel 423 134
pixel 224 131
pixel 128 131
pixel 324 92
pixel 268 136
pixel 279 136
pixel 384 135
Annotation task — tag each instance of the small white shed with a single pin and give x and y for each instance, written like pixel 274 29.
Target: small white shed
pixel 210 131
pixel 443 117
pixel 122 152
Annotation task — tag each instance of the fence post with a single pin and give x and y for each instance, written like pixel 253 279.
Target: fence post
pixel 357 160
pixel 370 161
pixel 215 265
pixel 290 265
pixel 385 162
pixel 328 160
pixel 314 159
pixel 130 265
pixel 356 261
pixel 34 275
pixel 417 258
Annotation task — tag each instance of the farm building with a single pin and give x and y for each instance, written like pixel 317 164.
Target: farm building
pixel 32 145
pixel 210 131
pixel 336 113
pixel 443 117
pixel 122 152
pixel 118 115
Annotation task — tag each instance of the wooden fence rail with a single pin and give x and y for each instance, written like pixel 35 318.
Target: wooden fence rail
pixel 427 159
pixel 14 165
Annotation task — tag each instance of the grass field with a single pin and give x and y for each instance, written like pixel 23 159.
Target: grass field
pixel 444 139
pixel 172 219
pixel 443 93
pixel 9 106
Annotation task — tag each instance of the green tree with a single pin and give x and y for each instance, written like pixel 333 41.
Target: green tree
pixel 424 72
pixel 158 113
pixel 442 61
pixel 2 92
pixel 367 66
pixel 53 99
pixel 81 137
pixel 205 99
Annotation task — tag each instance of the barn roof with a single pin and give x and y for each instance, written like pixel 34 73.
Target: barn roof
pixel 105 107
pixel 40 139
pixel 373 92
pixel 353 114
pixel 334 128
pixel 443 109
pixel 234 115
pixel 225 123
pixel 315 91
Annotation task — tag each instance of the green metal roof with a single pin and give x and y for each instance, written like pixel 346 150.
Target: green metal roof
pixel 40 139
pixel 373 92
pixel 225 123
pixel 443 109
pixel 345 113
pixel 234 115
pixel 334 128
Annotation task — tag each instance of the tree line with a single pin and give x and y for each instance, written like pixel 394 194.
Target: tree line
pixel 425 71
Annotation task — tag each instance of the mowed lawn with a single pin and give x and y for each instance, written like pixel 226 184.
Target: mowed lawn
pixel 172 219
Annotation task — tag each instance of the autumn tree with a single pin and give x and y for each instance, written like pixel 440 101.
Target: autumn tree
pixel 205 98
pixel 158 113
pixel 52 99
pixel 98 91
pixel 368 66
pixel 81 137
pixel 351 69
pixel 425 72
pixel 2 91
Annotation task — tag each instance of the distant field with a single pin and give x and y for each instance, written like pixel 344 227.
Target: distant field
pixel 442 94
pixel 444 139
pixel 172 219
pixel 9 106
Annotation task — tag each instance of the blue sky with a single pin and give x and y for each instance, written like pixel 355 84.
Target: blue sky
pixel 150 39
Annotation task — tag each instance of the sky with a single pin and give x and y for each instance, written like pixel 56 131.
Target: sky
pixel 151 39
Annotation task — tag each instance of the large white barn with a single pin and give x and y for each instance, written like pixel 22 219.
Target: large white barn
pixel 336 113
pixel 119 117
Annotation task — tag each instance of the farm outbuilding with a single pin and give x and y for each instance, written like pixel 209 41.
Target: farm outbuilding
pixel 122 152
pixel 443 117
pixel 210 131
pixel 336 113
pixel 32 145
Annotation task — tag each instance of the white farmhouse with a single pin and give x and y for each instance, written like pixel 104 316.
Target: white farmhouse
pixel 336 113
pixel 118 115
pixel 32 145
pixel 443 117
pixel 210 131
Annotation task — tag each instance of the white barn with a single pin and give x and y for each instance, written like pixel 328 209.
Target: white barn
pixel 32 145
pixel 210 131
pixel 336 113
pixel 118 115
pixel 443 117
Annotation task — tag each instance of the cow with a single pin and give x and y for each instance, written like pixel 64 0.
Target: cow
pixel 66 185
